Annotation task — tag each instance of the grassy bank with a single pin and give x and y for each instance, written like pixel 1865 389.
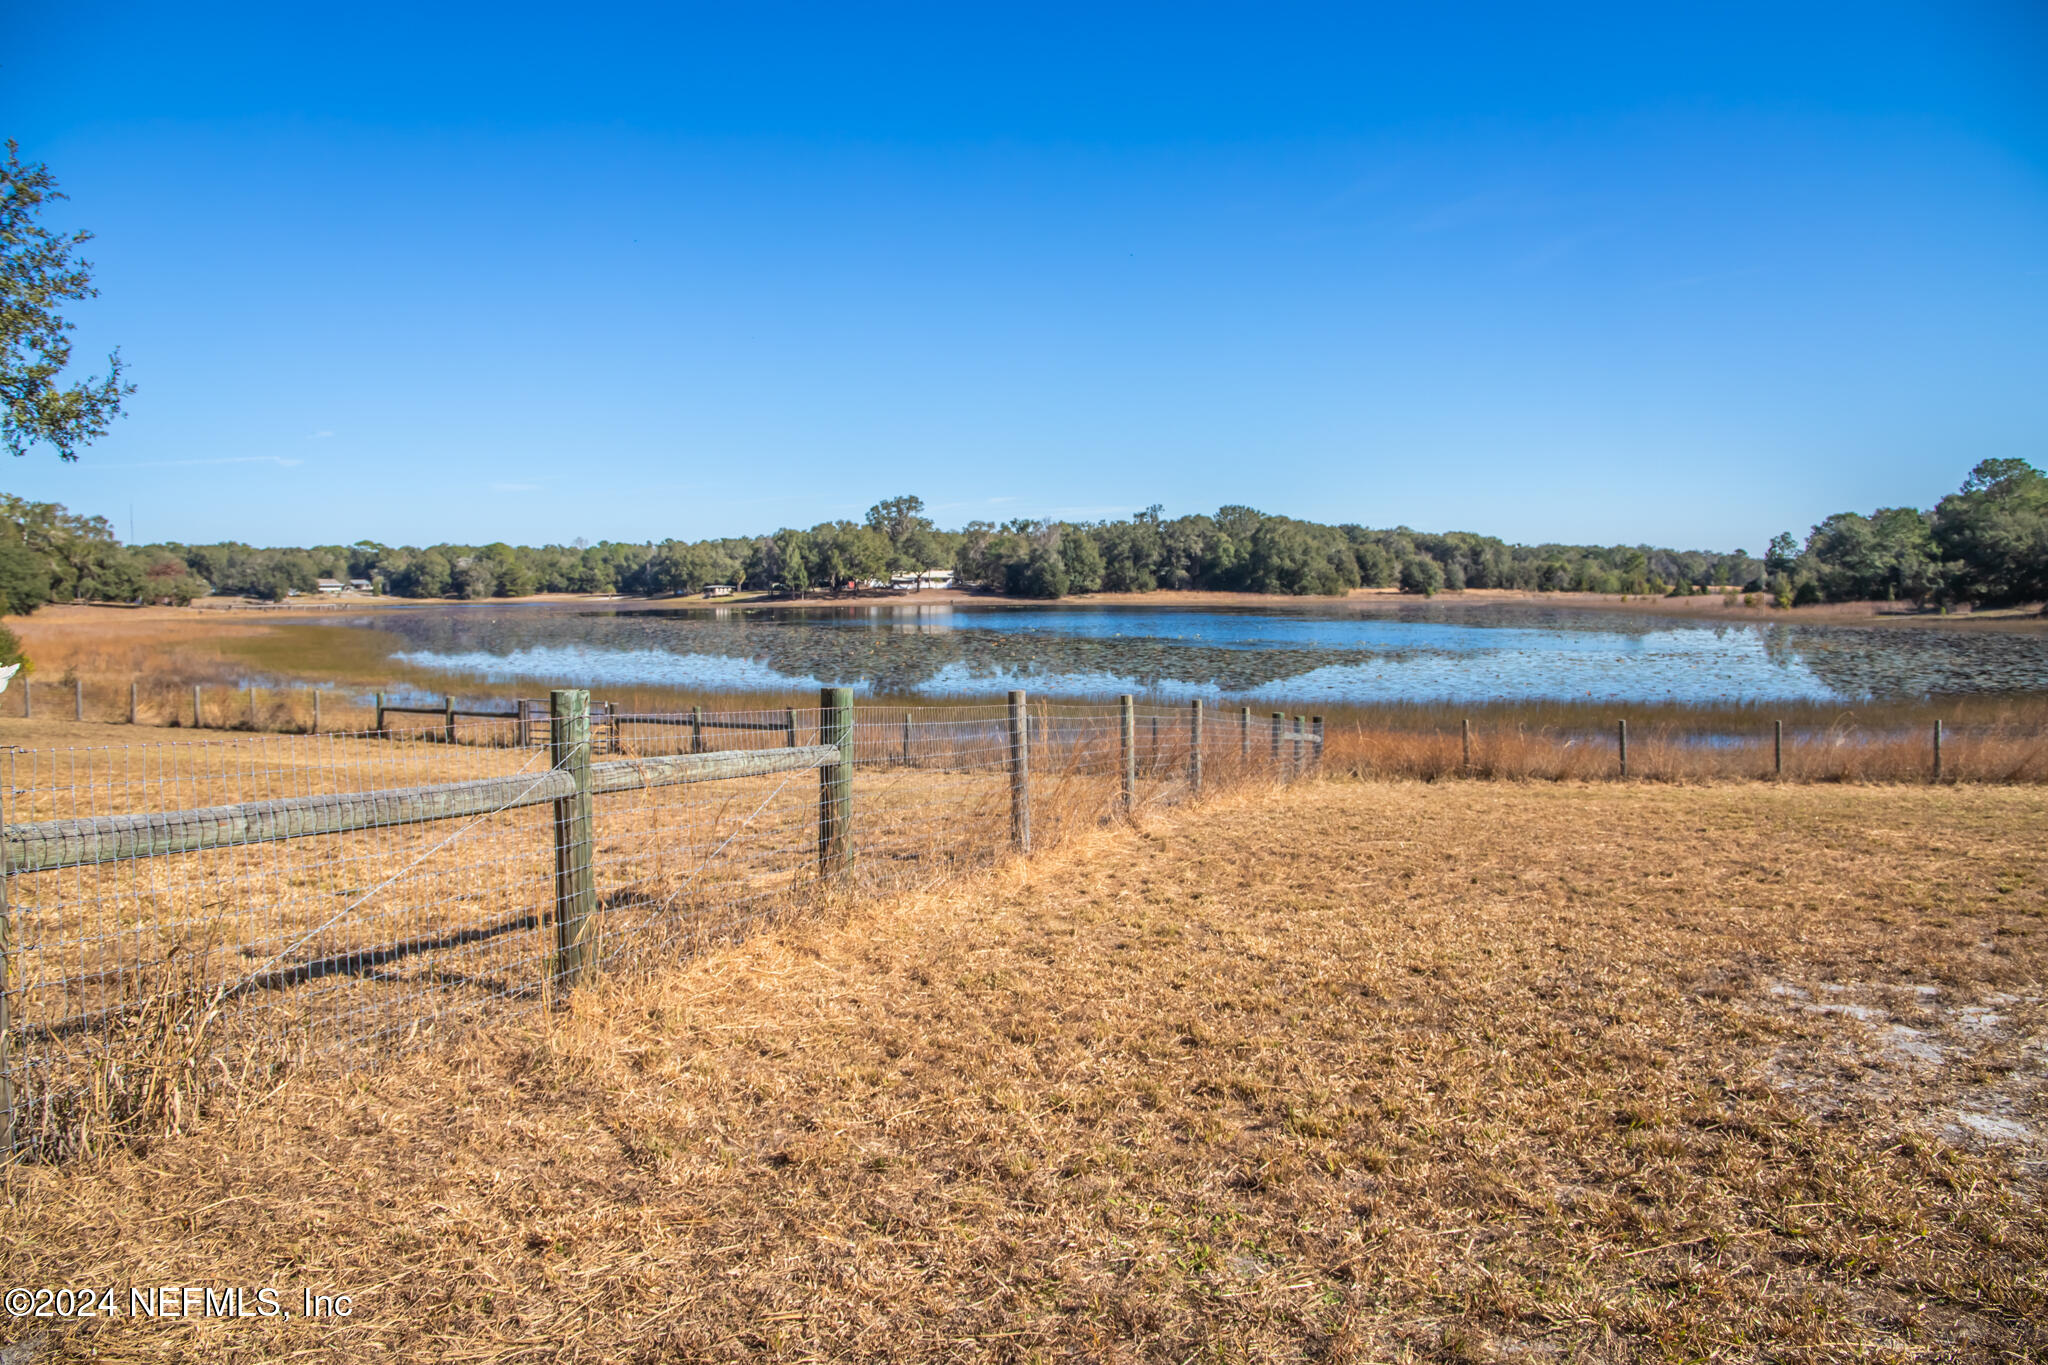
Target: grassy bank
pixel 1353 1072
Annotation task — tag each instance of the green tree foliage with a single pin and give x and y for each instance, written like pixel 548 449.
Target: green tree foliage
pixel 1986 543
pixel 1996 533
pixel 1083 563
pixel 1421 574
pixel 39 273
pixel 10 653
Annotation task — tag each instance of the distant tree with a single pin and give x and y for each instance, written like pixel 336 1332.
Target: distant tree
pixel 39 271
pixel 1782 554
pixel 1376 567
pixel 430 574
pixel 24 579
pixel 1422 574
pixel 793 561
pixel 1045 574
pixel 897 519
pixel 1886 556
pixel 1082 560
pixel 165 579
pixel 10 652
pixel 1996 532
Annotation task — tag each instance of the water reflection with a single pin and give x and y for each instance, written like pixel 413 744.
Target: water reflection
pixel 1420 653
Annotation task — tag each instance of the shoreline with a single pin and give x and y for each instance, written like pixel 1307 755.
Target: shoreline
pixel 1704 608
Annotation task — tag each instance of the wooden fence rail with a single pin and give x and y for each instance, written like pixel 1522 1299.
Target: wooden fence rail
pixel 568 784
pixel 51 844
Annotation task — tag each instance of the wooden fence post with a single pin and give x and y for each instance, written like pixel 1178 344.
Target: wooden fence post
pixel 1020 771
pixel 1777 748
pixel 252 708
pixel 316 710
pixel 380 709
pixel 1279 724
pixel 789 724
pixel 78 699
pixel 6 1027
pixel 1244 737
pixel 1465 734
pixel 1621 744
pixel 448 718
pixel 1152 758
pixel 1315 727
pixel 133 688
pixel 618 736
pixel 835 780
pixel 575 874
pixel 1295 767
pixel 697 729
pixel 906 732
pixel 1195 746
pixel 1937 751
pixel 1127 732
pixel 195 706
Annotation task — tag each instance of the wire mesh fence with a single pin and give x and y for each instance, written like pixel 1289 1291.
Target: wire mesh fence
pixel 185 919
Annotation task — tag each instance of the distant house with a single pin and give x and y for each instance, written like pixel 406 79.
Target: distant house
pixel 718 590
pixel 330 585
pixel 917 582
pixel 359 585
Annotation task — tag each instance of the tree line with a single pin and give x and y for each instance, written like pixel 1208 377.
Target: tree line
pixel 1986 543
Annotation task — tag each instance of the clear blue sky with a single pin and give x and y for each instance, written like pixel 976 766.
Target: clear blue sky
pixel 1684 274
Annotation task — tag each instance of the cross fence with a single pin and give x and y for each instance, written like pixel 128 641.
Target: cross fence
pixel 182 920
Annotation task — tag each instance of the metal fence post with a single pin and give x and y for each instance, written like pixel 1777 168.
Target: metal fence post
pixel 1195 746
pixel 1127 732
pixel 575 877
pixel 1020 771
pixel 1937 751
pixel 1621 744
pixel 835 780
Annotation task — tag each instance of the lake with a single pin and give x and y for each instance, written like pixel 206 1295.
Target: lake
pixel 1418 653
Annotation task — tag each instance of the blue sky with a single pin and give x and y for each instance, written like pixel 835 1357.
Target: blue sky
pixel 1683 274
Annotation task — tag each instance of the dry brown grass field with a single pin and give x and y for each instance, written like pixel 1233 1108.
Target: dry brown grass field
pixel 1349 1071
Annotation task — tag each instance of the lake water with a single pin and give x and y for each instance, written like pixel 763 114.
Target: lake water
pixel 1420 653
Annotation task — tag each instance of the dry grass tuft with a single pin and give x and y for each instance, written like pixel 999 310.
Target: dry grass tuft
pixel 1359 1071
